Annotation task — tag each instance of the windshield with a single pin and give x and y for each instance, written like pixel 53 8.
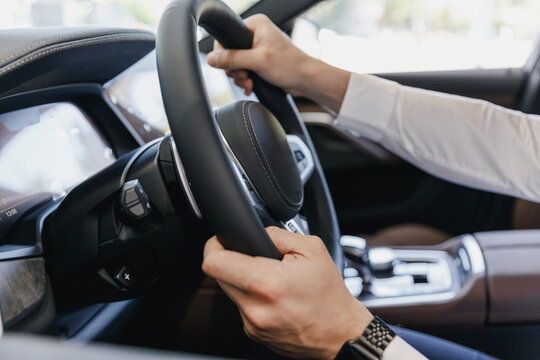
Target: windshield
pixel 117 13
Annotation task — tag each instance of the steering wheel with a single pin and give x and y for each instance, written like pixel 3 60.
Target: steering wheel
pixel 238 161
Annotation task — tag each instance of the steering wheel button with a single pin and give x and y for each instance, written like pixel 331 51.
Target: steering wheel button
pixel 124 277
pixel 299 155
pixel 134 201
pixel 131 196
pixel 137 210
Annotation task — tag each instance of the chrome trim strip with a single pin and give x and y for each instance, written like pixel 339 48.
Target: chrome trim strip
pixel 409 300
pixel 476 258
pixel 184 180
pixel 13 252
pixel 306 173
pixel 242 176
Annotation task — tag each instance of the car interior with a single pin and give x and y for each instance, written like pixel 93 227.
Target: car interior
pixel 122 152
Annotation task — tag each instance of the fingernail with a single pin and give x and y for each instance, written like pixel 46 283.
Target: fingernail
pixel 211 58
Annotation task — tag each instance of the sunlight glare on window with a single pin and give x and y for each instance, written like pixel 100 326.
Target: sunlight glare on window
pixel 377 36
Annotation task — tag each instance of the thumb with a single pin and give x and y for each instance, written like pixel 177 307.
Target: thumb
pixel 231 59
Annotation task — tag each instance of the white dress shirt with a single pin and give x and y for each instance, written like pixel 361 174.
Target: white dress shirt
pixel 466 141
pixel 398 349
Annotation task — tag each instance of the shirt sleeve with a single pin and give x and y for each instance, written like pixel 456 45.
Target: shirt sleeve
pixel 398 349
pixel 466 141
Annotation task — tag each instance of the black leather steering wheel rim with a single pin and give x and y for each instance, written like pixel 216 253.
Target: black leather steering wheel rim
pixel 195 131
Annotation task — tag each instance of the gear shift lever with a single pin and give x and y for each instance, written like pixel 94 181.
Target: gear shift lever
pixel 357 253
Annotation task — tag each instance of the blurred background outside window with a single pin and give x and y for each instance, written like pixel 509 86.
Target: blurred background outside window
pixel 121 13
pixel 377 36
pixel 369 36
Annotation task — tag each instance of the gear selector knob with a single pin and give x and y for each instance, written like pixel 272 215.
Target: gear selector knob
pixel 357 252
pixel 382 260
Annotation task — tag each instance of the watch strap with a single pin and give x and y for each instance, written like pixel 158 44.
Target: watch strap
pixel 370 345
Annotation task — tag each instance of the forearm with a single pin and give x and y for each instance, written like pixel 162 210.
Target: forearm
pixel 323 83
pixel 470 142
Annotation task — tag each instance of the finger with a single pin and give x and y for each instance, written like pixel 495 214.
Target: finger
pixel 254 21
pixel 237 74
pixel 248 85
pixel 238 296
pixel 242 271
pixel 242 83
pixel 212 245
pixel 287 242
pixel 231 59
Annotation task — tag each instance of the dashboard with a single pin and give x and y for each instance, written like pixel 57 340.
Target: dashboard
pixel 48 149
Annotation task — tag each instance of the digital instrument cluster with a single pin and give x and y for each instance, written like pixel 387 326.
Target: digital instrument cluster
pixel 45 151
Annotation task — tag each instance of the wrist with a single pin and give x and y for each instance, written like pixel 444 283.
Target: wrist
pixel 323 83
pixel 307 70
pixel 356 320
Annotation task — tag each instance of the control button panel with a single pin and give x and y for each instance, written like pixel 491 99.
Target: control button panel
pixel 134 201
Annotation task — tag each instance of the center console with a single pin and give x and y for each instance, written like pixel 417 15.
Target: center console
pixel 472 279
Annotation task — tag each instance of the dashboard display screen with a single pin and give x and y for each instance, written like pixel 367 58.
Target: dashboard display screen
pixel 44 152
pixel 137 94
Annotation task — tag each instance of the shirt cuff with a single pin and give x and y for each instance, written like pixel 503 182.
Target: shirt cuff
pixel 398 349
pixel 368 105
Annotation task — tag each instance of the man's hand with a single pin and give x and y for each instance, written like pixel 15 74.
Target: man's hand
pixel 299 306
pixel 275 58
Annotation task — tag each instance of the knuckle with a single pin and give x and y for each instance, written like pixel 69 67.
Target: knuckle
pixel 268 292
pixel 259 319
pixel 211 264
pixel 273 293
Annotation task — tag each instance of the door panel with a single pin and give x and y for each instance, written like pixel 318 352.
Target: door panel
pixel 499 86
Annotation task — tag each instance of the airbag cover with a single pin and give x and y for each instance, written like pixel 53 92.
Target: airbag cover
pixel 260 145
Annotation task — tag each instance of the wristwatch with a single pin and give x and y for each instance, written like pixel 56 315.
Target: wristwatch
pixel 370 345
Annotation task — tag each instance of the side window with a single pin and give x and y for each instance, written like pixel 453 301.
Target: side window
pixel 381 36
